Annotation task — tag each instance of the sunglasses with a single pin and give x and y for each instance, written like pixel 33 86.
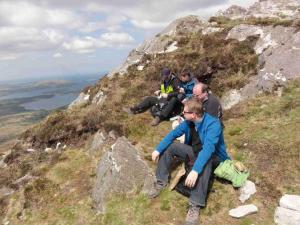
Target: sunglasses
pixel 186 112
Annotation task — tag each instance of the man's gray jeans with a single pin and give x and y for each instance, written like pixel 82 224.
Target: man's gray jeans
pixel 185 153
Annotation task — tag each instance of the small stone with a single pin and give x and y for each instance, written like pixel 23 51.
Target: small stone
pixel 112 135
pixel 247 190
pixel 64 146
pixel 30 150
pixel 243 210
pixel 2 164
pixel 23 180
pixel 57 145
pixel 4 191
pixel 290 202
pixel 48 150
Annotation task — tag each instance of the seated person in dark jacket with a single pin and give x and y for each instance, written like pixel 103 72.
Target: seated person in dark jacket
pixel 211 104
pixel 166 97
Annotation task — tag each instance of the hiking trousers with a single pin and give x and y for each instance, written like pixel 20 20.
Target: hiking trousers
pixel 198 193
pixel 150 101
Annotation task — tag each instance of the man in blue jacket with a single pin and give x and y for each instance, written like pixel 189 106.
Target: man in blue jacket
pixel 204 145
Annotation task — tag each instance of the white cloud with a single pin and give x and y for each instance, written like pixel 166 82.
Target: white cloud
pixel 57 55
pixel 26 14
pixel 146 24
pixel 89 44
pixel 83 45
pixel 13 38
pixel 119 39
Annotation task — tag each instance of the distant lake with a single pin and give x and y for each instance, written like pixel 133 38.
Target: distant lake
pixel 42 94
pixel 57 101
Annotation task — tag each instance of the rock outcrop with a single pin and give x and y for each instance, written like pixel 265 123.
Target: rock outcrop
pixel 161 43
pixel 287 9
pixel 81 100
pixel 120 171
pixel 279 53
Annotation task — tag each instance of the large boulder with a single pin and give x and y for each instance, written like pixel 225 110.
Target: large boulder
pixel 121 171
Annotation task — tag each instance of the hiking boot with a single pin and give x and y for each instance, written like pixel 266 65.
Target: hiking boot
pixel 156 121
pixel 130 110
pixel 156 190
pixel 192 217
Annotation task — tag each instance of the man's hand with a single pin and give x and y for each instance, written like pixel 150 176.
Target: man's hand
pixel 191 179
pixel 164 95
pixel 181 90
pixel 155 156
pixel 157 92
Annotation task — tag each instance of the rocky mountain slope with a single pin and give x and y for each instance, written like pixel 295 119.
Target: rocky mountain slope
pixel 50 174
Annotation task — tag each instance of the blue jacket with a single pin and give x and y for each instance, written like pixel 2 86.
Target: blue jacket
pixel 211 135
pixel 188 88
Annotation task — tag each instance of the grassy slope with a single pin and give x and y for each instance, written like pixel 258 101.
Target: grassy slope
pixel 263 133
pixel 12 126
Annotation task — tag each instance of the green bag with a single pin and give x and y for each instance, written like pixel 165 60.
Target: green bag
pixel 228 171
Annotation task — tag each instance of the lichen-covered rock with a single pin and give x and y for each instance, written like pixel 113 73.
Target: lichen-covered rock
pixel 98 142
pixel 99 98
pixel 287 9
pixel 161 42
pixel 120 171
pixel 279 53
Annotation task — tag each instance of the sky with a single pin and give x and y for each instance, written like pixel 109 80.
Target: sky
pixel 43 38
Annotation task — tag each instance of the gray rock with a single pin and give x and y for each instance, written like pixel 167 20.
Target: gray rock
pixel 161 42
pixel 290 202
pixel 5 191
pixel 276 47
pixel 80 101
pixel 2 164
pixel 24 180
pixel 112 134
pixel 243 210
pixel 99 98
pixel 247 190
pixel 287 9
pixel 120 171
pixel 285 216
pixel 98 142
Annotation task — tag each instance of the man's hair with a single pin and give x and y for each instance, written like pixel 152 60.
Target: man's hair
pixel 204 87
pixel 194 106
pixel 186 71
